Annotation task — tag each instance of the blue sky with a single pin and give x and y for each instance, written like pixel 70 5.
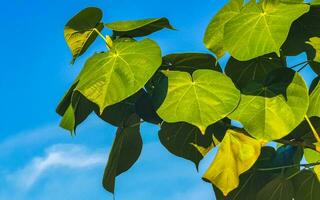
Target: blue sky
pixel 39 160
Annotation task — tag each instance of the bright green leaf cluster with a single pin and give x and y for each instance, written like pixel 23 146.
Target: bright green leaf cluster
pixel 194 100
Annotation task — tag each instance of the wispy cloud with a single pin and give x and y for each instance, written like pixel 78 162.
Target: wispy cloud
pixel 58 156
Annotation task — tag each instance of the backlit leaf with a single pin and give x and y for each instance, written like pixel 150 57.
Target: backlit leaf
pixel 138 28
pixel 237 153
pixel 201 99
pixel 110 77
pixel 213 38
pixel 125 151
pixel 272 109
pixel 260 28
pixel 79 31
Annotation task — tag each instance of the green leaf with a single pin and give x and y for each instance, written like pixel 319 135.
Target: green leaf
pixel 145 109
pixel 260 28
pixel 306 186
pixel 117 114
pixel 189 62
pixel 191 98
pixel 79 31
pixel 279 188
pixel 315 43
pixel 78 110
pixel 311 155
pixel 237 153
pixel 315 2
pixel 125 151
pixel 213 38
pixel 272 109
pixel 314 106
pixel 110 77
pixel 244 72
pixel 301 30
pixel 303 131
pixel 252 181
pixel 138 28
pixel 180 138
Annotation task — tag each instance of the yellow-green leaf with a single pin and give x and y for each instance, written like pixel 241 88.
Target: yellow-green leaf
pixel 315 43
pixel 260 28
pixel 201 99
pixel 110 77
pixel 237 154
pixel 79 32
pixel 213 38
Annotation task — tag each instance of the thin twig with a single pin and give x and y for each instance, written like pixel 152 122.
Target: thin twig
pixel 288 166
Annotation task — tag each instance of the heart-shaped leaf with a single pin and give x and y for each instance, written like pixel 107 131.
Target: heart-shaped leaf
pixel 201 99
pixel 125 151
pixel 237 153
pixel 110 77
pixel 213 38
pixel 138 28
pixel 79 32
pixel 260 28
pixel 244 72
pixel 272 109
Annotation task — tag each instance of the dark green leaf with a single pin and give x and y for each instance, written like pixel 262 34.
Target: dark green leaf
pixel 119 112
pixel 244 72
pixel 278 189
pixel 78 110
pixel 138 28
pixel 189 62
pixel 79 31
pixel 145 109
pixel 125 151
pixel 306 186
pixel 179 138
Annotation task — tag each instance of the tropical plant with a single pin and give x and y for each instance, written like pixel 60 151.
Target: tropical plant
pixel 195 102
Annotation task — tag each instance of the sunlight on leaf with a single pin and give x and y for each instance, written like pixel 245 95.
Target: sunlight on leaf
pixel 213 38
pixel 79 31
pixel 260 28
pixel 237 153
pixel 201 99
pixel 271 110
pixel 110 77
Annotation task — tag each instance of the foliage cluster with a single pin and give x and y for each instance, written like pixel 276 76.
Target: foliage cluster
pixel 194 100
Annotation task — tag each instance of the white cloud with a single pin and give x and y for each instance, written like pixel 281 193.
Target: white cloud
pixel 57 156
